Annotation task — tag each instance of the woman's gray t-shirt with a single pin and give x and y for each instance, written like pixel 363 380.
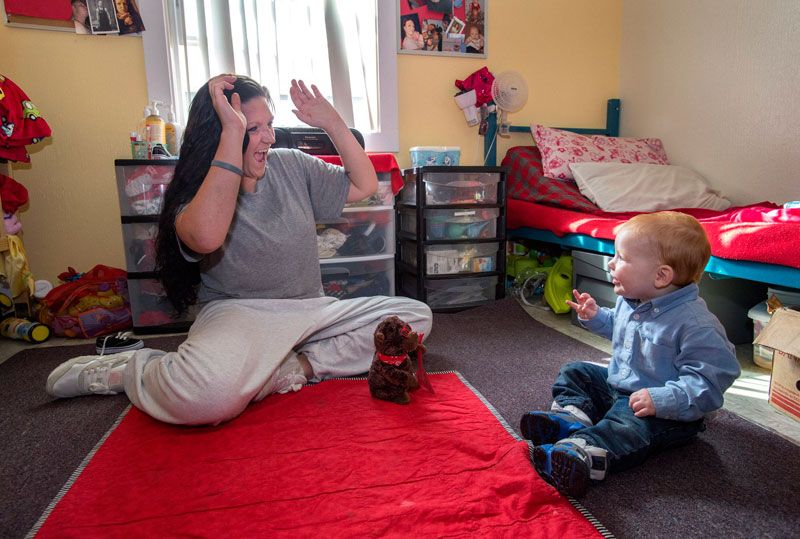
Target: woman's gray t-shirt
pixel 271 248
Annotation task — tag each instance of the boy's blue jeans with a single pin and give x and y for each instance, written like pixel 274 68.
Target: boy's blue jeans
pixel 628 439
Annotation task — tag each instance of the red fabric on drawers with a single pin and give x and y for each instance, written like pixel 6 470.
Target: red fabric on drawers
pixel 383 162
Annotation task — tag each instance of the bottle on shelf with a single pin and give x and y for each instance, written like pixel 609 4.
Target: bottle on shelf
pixel 155 127
pixel 173 133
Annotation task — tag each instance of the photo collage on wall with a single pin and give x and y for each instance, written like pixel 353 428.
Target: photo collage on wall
pixel 106 16
pixel 442 27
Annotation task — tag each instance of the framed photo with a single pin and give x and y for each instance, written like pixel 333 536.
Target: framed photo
pixel 103 16
pixel 442 27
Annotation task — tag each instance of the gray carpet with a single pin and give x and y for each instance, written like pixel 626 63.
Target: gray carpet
pixel 735 480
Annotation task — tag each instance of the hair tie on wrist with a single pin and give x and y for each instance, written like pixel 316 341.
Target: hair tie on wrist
pixel 227 166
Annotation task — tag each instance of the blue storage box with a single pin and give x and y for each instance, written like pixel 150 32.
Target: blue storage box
pixel 426 156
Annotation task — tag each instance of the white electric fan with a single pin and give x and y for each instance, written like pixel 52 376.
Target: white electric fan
pixel 510 93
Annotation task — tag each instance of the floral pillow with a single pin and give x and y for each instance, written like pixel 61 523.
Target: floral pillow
pixel 560 148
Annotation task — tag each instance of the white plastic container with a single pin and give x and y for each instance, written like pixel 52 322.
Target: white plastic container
pixel 762 355
pixel 427 156
pixel 786 296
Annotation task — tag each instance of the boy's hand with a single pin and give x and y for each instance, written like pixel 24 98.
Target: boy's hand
pixel 641 403
pixel 584 305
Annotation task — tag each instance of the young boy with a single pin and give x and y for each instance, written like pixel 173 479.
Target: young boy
pixel 671 361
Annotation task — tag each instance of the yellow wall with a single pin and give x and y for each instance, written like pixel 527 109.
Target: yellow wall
pixel 92 89
pixel 568 53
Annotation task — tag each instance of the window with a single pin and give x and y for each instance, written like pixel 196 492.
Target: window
pixel 345 48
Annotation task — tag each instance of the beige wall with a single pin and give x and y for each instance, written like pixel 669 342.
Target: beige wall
pixel 717 81
pixel 92 90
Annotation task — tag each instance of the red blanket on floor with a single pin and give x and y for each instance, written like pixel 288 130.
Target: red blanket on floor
pixel 327 461
pixel 760 232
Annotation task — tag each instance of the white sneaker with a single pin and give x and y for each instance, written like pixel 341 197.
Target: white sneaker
pixel 87 375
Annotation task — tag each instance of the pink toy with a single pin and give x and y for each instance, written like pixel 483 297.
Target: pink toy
pixel 481 82
pixel 12 224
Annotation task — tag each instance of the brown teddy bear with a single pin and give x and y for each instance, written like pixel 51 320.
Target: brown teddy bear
pixel 391 375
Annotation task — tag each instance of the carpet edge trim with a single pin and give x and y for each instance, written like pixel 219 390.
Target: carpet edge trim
pixel 75 474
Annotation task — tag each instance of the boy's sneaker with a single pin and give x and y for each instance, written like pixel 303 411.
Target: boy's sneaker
pixel 549 427
pixel 119 342
pixel 570 464
pixel 86 375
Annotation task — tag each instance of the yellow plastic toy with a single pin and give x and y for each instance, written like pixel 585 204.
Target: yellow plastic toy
pixel 558 286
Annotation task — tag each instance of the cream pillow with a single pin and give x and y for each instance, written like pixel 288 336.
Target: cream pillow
pixel 642 187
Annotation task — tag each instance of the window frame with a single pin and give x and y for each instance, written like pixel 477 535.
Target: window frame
pixel 160 84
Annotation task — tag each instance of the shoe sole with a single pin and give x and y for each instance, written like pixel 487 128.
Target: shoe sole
pixel 539 428
pixel 568 473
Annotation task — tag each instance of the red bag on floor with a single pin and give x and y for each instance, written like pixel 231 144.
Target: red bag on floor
pixel 88 305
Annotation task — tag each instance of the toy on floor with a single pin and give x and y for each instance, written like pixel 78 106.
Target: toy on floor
pixel 19 328
pixel 391 376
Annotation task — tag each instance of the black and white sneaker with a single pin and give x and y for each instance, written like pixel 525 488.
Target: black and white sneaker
pixel 119 342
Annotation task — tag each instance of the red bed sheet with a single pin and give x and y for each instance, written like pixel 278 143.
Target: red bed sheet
pixel 762 232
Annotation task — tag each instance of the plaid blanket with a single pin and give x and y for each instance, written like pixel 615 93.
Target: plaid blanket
pixel 526 181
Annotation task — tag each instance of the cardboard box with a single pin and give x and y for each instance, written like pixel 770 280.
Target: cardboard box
pixel 782 334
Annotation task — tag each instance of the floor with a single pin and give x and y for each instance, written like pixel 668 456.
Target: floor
pixel 747 397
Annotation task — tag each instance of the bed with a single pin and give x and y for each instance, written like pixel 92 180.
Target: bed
pixel 758 242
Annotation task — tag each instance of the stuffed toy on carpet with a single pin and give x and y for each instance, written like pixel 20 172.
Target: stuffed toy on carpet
pixel 391 375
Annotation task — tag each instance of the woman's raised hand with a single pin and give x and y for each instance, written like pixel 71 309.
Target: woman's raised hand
pixel 311 107
pixel 229 112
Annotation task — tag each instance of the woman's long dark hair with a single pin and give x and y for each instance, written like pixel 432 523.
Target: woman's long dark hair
pixel 178 276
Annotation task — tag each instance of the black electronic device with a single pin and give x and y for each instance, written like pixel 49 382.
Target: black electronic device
pixel 309 140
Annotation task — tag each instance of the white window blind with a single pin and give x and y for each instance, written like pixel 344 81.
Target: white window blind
pixel 344 47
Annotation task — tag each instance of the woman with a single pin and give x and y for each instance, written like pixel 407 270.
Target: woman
pixel 237 234
pixel 413 40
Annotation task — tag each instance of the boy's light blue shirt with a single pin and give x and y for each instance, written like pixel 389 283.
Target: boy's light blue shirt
pixel 672 346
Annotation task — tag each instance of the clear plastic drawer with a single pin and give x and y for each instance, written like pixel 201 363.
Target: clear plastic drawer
pixel 141 185
pixel 358 232
pixel 444 293
pixel 452 188
pixel 343 279
pixel 460 224
pixel 152 312
pixel 456 258
pixel 382 197
pixel 140 246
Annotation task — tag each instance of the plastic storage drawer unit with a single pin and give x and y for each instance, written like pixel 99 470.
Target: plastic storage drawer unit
pixel 452 185
pixel 353 278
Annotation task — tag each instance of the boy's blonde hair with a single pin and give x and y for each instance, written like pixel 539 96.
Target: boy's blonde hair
pixel 677 240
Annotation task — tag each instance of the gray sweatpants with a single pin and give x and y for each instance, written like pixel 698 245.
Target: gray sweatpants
pixel 234 346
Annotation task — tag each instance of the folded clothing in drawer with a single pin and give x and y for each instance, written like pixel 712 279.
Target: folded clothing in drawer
pixel 357 233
